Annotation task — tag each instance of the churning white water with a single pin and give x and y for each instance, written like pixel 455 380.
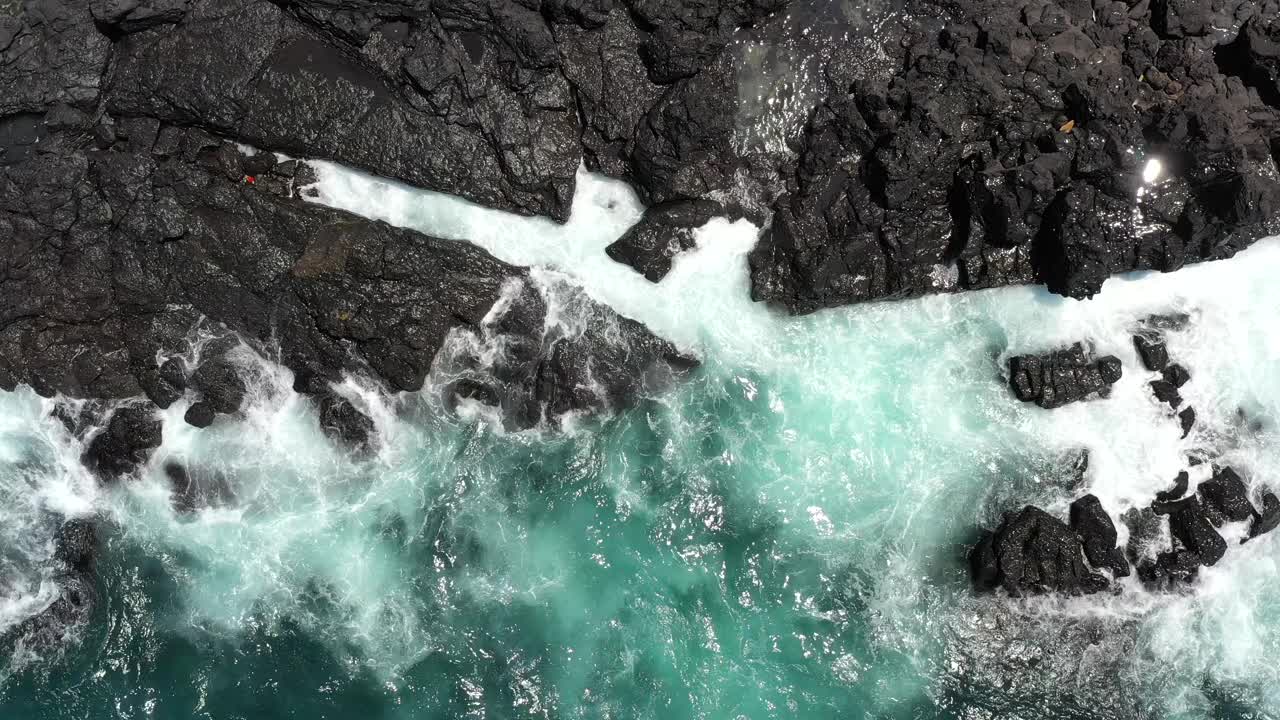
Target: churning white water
pixel 781 536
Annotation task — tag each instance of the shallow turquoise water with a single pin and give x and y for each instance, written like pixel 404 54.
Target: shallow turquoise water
pixel 782 536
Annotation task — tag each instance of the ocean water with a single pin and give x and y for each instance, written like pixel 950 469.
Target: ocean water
pixel 782 536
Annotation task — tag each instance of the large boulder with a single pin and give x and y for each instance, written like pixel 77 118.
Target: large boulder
pixel 1033 552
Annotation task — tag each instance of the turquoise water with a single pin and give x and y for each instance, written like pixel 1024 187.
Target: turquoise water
pixel 782 536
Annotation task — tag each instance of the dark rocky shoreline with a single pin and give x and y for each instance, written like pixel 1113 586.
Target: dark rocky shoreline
pixel 951 146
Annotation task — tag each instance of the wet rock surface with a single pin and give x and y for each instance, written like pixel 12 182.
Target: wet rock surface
pixel 1015 144
pixel 1033 552
pixel 1098 534
pixel 1063 376
pixel 117 253
pixel 662 233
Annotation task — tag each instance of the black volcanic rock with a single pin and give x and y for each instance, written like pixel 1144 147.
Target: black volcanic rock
pixel 118 253
pixel 1179 489
pixel 663 232
pixel 340 419
pixel 200 415
pixel 1005 148
pixel 1192 529
pixel 1187 420
pixel 1267 520
pixel 1033 552
pixel 1166 392
pixel 1061 376
pixel 1097 532
pixel 1226 497
pixel 1176 375
pixel 130 435
pixel 1154 354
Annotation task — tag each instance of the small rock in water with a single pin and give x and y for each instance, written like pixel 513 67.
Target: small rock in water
pixel 219 383
pixel 1267 520
pixel 1179 489
pixel 1187 419
pixel 1226 497
pixel 1167 393
pixel 200 415
pixel 1098 533
pixel 1176 375
pixel 666 230
pixel 1152 350
pixel 1062 376
pixel 1191 527
pixel 342 421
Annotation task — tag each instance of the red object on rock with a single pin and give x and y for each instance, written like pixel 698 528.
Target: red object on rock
pixel 249 179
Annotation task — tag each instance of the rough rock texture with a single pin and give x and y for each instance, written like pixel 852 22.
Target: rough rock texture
pixel 663 232
pixel 1192 529
pixel 75 561
pixel 1033 552
pixel 1062 376
pixel 941 146
pixel 1152 350
pixel 1226 498
pixel 131 433
pixel 1012 143
pixel 1267 520
pixel 1098 534
pixel 340 419
pixel 114 254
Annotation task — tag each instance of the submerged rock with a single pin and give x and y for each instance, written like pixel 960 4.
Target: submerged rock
pixel 339 419
pixel 75 575
pixel 1062 376
pixel 1187 420
pixel 190 492
pixel 1268 519
pixel 1033 552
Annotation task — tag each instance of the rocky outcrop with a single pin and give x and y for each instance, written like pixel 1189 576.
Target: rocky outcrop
pixel 1061 377
pixel 1033 552
pixel 939 146
pixel 113 254
pixel 1052 143
pixel 663 232
pixel 1097 533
